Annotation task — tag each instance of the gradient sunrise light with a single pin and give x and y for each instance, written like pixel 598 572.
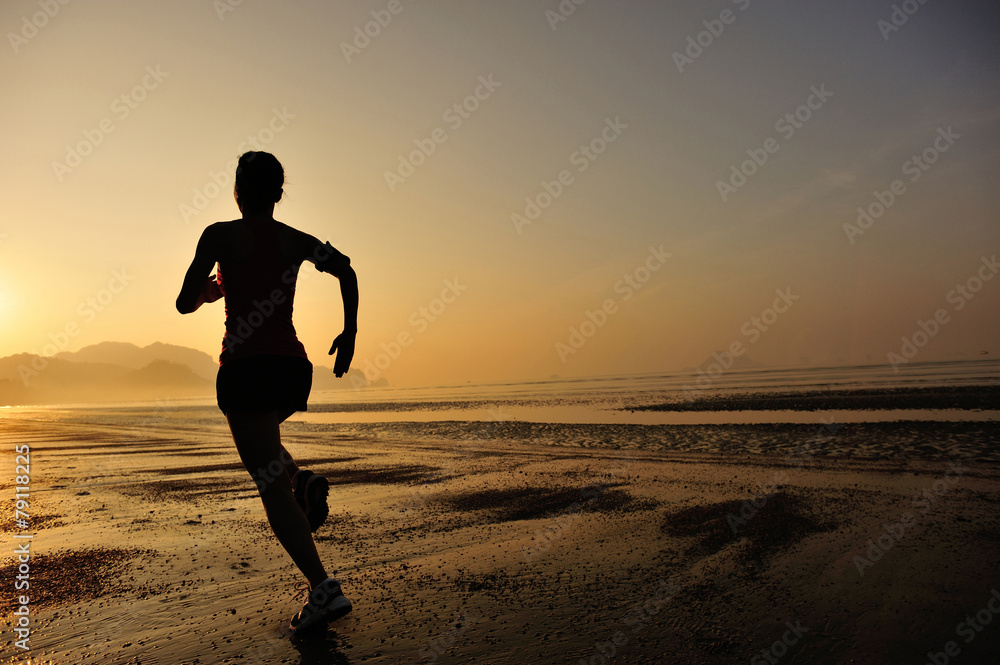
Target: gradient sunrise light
pixel 632 181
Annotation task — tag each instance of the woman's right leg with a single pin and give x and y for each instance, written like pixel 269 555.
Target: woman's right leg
pixel 258 441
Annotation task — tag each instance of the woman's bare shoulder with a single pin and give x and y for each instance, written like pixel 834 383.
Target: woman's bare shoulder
pixel 299 243
pixel 291 230
pixel 230 240
pixel 301 238
pixel 222 229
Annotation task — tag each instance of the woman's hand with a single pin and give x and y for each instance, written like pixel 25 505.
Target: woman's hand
pixel 344 343
pixel 212 292
pixel 194 291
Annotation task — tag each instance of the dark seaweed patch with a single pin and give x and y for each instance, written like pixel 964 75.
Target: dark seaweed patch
pixel 72 576
pixel 775 522
pixel 526 503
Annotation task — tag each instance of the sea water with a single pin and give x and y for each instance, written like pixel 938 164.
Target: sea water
pixel 613 399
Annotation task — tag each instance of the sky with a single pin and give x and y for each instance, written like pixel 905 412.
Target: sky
pixel 525 189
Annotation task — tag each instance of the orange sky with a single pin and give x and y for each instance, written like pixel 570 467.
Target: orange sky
pixel 122 121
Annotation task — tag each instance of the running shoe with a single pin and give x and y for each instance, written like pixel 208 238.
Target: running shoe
pixel 325 603
pixel 310 492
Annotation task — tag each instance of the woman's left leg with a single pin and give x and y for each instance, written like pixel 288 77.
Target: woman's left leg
pixel 290 466
pixel 309 490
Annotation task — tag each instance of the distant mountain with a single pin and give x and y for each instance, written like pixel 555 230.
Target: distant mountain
pixel 726 361
pixel 324 379
pixel 170 377
pixel 136 357
pixel 120 372
pixel 31 379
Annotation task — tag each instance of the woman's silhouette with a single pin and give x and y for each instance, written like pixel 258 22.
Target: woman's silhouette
pixel 264 373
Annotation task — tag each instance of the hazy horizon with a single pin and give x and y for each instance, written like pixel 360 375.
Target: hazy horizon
pixel 716 373
pixel 675 181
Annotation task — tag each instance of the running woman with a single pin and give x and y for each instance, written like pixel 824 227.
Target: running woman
pixel 264 373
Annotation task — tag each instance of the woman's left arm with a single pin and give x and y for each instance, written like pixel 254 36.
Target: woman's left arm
pixel 196 290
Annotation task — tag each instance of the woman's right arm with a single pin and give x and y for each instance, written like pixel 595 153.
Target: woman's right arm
pixel 195 290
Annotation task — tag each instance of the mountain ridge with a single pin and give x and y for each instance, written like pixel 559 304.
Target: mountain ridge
pixel 125 372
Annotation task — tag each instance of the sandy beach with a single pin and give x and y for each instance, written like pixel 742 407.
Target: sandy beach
pixel 653 333
pixel 796 546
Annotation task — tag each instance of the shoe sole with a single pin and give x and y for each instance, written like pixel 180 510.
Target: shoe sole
pixel 316 508
pixel 339 608
pixel 298 489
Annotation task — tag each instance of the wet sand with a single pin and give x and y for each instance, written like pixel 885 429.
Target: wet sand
pixel 513 542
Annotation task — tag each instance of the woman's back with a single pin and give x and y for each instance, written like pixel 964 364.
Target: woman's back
pixel 257 275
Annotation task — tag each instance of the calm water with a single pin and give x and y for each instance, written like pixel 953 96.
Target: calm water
pixel 606 399
pixel 603 399
pixel 595 412
pixel 959 373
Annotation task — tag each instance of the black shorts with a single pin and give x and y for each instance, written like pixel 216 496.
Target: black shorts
pixel 259 384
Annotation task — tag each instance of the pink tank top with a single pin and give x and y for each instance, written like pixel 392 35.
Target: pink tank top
pixel 259 292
